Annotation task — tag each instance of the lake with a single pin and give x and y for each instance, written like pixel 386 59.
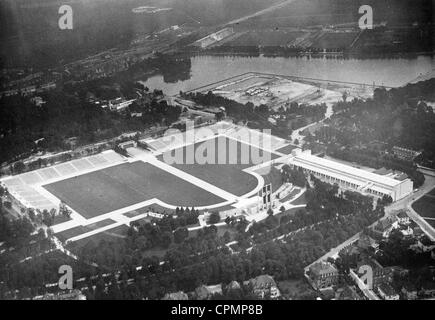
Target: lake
pixel 387 72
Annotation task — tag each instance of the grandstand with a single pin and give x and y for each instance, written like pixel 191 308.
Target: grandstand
pixel 25 189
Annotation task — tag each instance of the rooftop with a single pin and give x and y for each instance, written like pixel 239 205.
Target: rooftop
pixel 402 215
pixel 262 281
pixel 322 267
pixel 341 169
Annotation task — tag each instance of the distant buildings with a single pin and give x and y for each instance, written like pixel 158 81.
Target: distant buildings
pixel 347 177
pixel 120 104
pixel 214 37
pixel 180 295
pixel 405 154
pixel 72 295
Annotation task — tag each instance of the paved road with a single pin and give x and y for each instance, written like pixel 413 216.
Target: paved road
pixel 261 12
pixel 406 203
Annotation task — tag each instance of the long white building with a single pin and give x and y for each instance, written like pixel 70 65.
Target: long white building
pixel 347 177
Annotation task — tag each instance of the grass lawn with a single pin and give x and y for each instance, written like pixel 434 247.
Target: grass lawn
pixel 290 212
pixel 300 200
pixel 287 149
pixel 431 222
pixel 425 206
pixel 432 192
pixel 64 235
pixel 273 176
pixel 229 175
pixel 67 234
pixel 60 219
pixel 123 185
pixel 290 195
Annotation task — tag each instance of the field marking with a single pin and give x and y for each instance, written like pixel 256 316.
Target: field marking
pixel 193 180
pixel 126 221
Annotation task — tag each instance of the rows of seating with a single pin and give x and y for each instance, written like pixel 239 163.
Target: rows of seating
pixel 31 198
pixel 21 186
pixel 255 137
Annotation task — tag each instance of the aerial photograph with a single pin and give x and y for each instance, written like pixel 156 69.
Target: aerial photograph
pixel 265 151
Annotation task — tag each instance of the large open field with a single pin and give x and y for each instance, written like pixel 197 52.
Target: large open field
pixel 123 185
pixel 425 206
pixel 228 175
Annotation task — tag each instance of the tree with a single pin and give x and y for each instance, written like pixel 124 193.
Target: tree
pixel 19 167
pixel 214 218
pixel 270 212
pixel 282 209
pixel 180 234
pixel 166 239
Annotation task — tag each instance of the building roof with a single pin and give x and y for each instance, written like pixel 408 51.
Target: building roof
pixel 383 225
pixel 203 292
pixel 341 170
pixel 263 281
pixel 402 215
pixel 180 295
pixel 366 241
pixel 233 285
pixel 322 267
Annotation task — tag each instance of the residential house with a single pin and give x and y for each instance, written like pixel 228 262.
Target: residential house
pixel 424 244
pixel 405 154
pixel 403 218
pixel 428 289
pixel 264 286
pixel 180 295
pixel 406 230
pixel 206 292
pixel 387 292
pixel 385 226
pixel 233 286
pixel 323 275
pixel 410 292
pixel 365 242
